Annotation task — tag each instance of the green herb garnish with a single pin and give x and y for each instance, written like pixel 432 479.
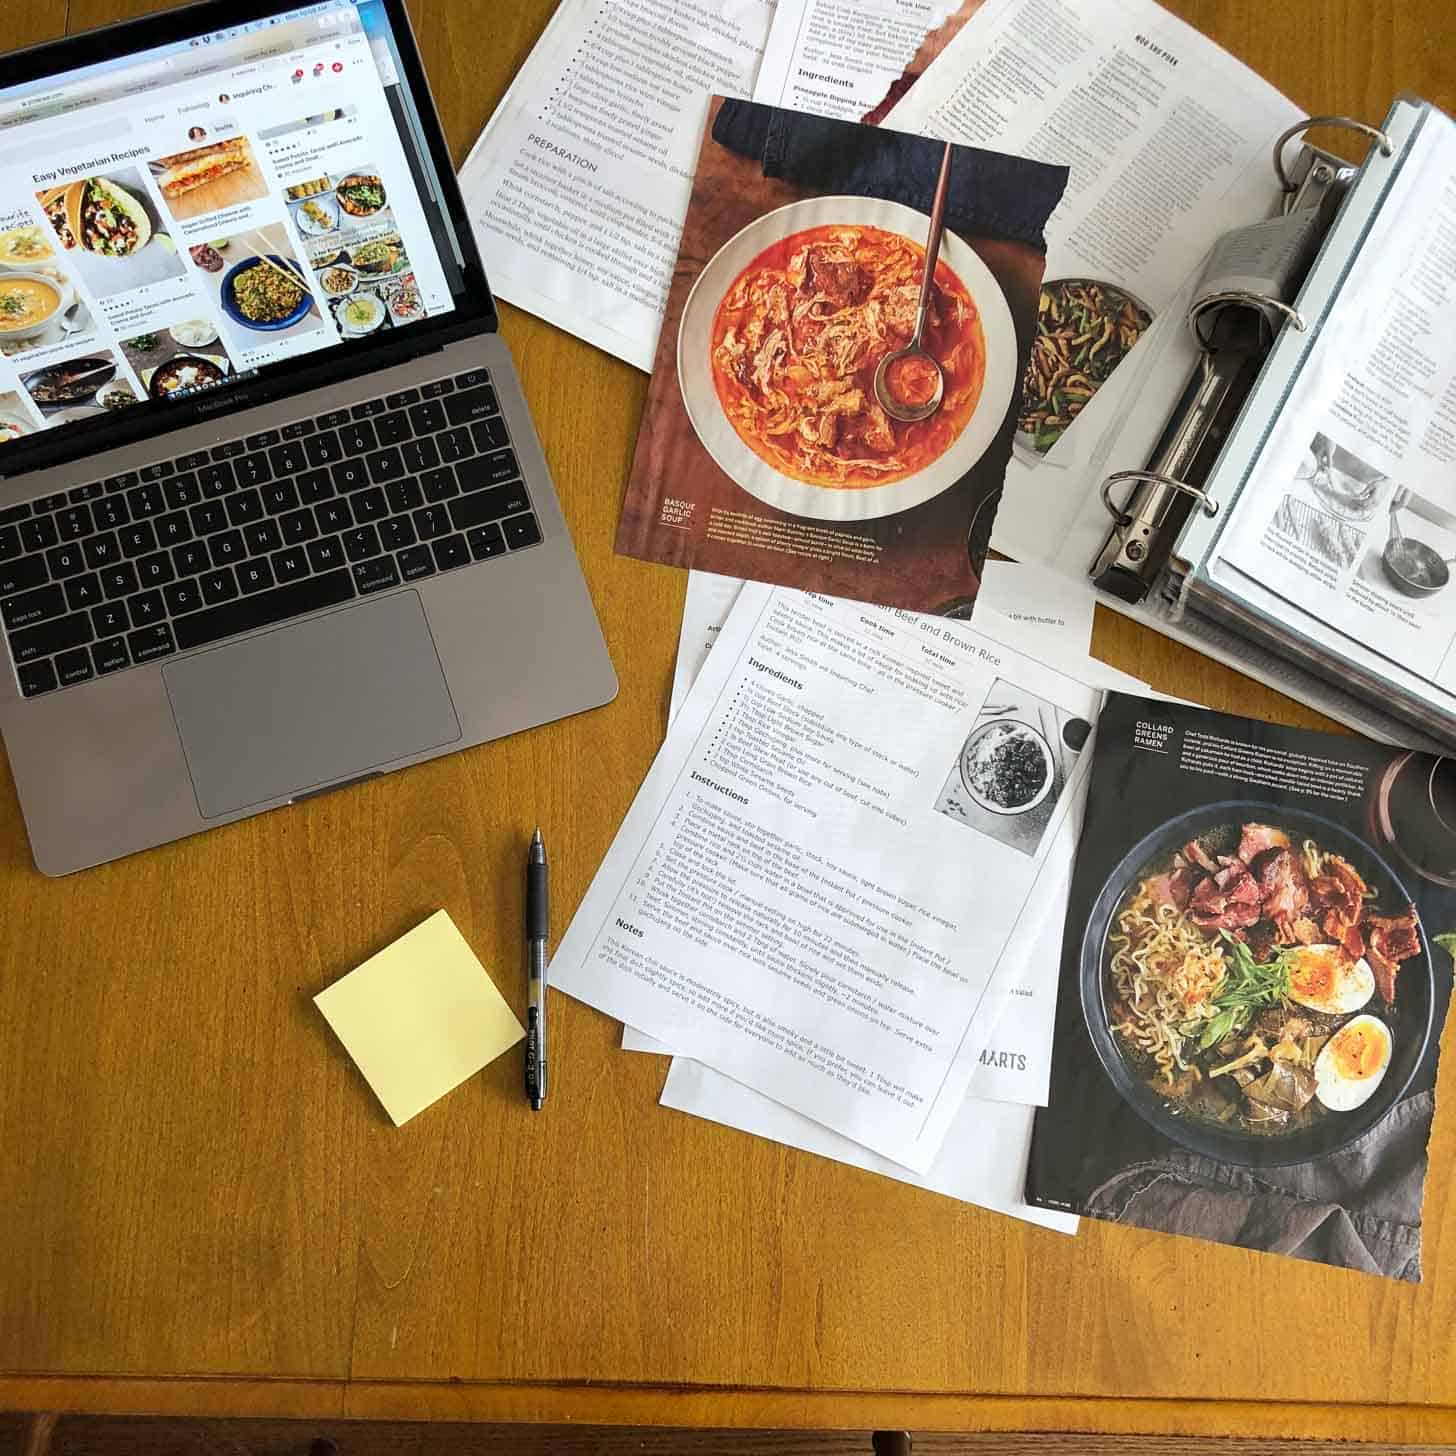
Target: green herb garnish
pixel 1248 986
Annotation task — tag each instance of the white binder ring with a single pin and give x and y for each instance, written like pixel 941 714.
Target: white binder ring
pixel 1213 303
pixel 1348 122
pixel 1151 477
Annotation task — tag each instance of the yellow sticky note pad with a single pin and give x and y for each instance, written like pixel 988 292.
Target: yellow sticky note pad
pixel 420 1017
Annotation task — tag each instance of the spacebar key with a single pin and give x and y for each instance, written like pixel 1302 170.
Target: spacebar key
pixel 263 610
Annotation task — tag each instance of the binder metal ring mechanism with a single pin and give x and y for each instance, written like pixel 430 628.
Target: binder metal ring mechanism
pixel 1235 327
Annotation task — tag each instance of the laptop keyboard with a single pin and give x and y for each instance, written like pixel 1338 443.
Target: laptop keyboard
pixel 187 552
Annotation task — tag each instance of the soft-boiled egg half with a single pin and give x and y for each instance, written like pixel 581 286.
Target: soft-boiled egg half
pixel 1352 1064
pixel 1324 978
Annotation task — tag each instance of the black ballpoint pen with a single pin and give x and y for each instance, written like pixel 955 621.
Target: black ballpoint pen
pixel 538 922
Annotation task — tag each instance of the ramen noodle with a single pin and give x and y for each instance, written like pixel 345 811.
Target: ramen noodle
pixel 796 340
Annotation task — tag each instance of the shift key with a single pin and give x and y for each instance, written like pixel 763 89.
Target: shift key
pixel 49 637
pixel 32 606
pixel 481 506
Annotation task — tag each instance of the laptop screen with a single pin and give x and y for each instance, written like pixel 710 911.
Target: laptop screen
pixel 189 217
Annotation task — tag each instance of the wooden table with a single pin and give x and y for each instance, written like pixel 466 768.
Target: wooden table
pixel 202 1208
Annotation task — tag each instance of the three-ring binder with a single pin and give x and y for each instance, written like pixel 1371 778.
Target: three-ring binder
pixel 1151 477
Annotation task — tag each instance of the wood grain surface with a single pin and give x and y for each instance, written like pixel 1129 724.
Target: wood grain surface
pixel 204 1209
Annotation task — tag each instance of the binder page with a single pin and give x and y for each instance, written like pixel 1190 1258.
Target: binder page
pixel 1168 138
pixel 823 866
pixel 578 186
pixel 1350 512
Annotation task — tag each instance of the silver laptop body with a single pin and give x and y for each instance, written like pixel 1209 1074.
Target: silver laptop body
pixel 429 654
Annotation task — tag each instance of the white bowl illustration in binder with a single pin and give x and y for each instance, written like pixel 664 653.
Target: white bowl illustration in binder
pixel 778 346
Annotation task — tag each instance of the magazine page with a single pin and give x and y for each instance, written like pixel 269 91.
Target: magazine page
pixel 578 184
pixel 1350 510
pixel 1167 137
pixel 772 446
pixel 1255 976
pixel 786 898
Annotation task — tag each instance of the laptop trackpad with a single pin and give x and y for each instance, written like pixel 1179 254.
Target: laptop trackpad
pixel 312 704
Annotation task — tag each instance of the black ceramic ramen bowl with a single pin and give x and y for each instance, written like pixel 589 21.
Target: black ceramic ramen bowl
pixel 1217 826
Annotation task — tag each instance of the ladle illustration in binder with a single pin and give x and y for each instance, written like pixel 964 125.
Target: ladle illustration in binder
pixel 1298 515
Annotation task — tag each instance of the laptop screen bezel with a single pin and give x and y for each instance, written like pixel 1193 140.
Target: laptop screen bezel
pixel 474 311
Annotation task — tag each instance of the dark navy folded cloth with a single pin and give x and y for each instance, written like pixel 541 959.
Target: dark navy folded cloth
pixel 991 195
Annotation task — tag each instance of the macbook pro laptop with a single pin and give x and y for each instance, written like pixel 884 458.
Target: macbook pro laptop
pixel 273 515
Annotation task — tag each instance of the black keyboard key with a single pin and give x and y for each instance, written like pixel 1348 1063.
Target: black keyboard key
pixel 262 440
pixel 323 448
pixel 436 387
pixel 109 619
pixel 228 450
pixel 326 554
pixel 37 678
pixel 358 438
pixel 416 562
pixel 181 491
pixel 139 538
pixel 11 515
pixel 151 643
pixel 473 404
pixel 264 609
pixel 401 397
pixel 252 470
pixel 361 543
pixel 22 575
pixel 288 459
pixel 489 434
pixel 125 481
pixel 368 409
pixel 397 533
pixel 37 534
pixel 440 484
pixel 226 547
pixel 193 460
pixel 48 504
pixel 74 522
pixel 432 521
pixel 255 576
pixel 385 465
pixel 208 517
pixel 119 581
pixel 174 529
pixel 245 506
pixel 110 512
pixel 281 495
pixel 74 667
pixel 146 500
pixel 481 506
pixel 297 527
pixel 290 564
pixel 369 505
pixel 375 575
pixel 182 596
pixel 218 586
pixel 313 486
pixel 154 472
pixel 485 541
pixel 84 493
pixel 493 469
pixel 393 429
pixel 155 570
pixel 110 655
pixel 450 551
pixel 471 377
pixel 350 475
pixel 26 607
pixel 297 430
pixel 48 638
pixel 216 480
pixel 428 417
pixel 333 515
pixel 262 537
pixel 332 419
pixel 66 560
pixel 146 608
pixel 103 550
pixel 522 531
pixel 190 559
pixel 457 444
pixel 83 591
pixel 404 495
pixel 419 455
